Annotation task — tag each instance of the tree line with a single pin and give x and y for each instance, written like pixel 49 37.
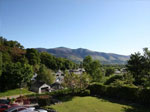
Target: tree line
pixel 18 65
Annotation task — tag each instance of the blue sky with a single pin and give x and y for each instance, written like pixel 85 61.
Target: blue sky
pixel 114 26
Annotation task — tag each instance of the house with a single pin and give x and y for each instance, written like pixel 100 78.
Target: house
pixel 59 76
pixel 78 71
pixel 117 71
pixel 40 87
pixel 56 86
pixel 123 70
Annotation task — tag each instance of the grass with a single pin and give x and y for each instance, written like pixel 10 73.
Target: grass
pixel 93 104
pixel 15 92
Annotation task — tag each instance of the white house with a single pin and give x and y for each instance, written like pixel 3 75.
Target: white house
pixel 40 87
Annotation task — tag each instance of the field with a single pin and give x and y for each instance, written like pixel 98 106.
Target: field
pixel 93 104
pixel 14 92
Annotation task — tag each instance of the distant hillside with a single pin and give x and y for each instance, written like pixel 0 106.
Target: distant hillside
pixel 77 55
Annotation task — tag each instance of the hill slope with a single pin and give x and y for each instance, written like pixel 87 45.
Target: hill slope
pixel 77 55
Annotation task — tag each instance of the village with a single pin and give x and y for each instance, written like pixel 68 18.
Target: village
pixel 74 56
pixel 40 87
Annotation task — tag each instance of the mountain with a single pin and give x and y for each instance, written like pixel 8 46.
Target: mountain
pixel 77 55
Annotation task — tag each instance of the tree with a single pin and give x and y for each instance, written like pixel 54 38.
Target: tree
pixel 96 71
pixel 12 44
pixel 48 60
pixel 15 74
pixel 73 81
pixel 68 64
pixel 87 64
pixel 135 65
pixel 55 63
pixel 33 56
pixel 109 71
pixel 139 66
pixel 45 75
pixel 93 67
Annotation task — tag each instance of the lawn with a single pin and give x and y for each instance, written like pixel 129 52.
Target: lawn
pixel 15 92
pixel 93 104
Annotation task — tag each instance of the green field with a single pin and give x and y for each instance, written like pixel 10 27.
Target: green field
pixel 15 92
pixel 93 104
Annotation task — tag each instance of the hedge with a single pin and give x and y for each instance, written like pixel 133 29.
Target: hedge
pixel 48 98
pixel 126 93
pixel 71 92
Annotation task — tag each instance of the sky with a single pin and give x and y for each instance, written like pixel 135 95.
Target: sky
pixel 112 26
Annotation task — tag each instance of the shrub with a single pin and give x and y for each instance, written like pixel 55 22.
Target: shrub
pixel 97 89
pixel 113 79
pixel 109 71
pixel 126 93
pixel 144 97
pixel 85 92
pixel 70 92
pixel 63 92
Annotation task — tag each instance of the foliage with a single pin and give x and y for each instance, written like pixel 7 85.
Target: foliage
pixel 87 63
pixel 56 63
pixel 15 75
pixel 76 81
pixel 113 79
pixel 120 80
pixel 70 92
pixel 109 71
pixel 33 56
pixel 12 51
pixel 45 75
pixel 3 41
pixel 126 93
pixel 18 64
pixel 48 60
pixel 93 67
pixel 139 67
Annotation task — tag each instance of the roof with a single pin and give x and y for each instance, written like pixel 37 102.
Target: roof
pixel 38 84
pixel 56 83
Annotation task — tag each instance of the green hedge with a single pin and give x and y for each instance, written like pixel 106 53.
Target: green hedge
pixel 126 93
pixel 71 92
pixel 58 93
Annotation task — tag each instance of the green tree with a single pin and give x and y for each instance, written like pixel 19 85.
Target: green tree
pixel 109 71
pixel 15 74
pixel 93 67
pixel 48 60
pixel 33 56
pixel 135 65
pixel 55 63
pixel 68 64
pixel 87 64
pixel 139 66
pixel 45 75
pixel 73 81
